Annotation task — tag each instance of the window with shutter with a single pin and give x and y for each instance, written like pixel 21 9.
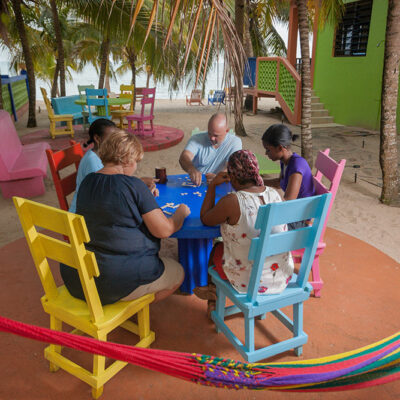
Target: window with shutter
pixel 352 33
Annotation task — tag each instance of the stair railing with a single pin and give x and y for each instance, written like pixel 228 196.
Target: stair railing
pixel 276 77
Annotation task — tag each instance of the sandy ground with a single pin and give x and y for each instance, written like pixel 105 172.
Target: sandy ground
pixel 357 210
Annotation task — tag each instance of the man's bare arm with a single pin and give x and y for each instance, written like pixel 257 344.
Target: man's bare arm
pixel 185 160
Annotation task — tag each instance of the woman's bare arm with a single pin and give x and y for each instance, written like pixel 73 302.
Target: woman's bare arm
pixel 162 227
pixel 293 187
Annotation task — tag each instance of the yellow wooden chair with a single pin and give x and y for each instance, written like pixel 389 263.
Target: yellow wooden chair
pixel 121 113
pixel 88 317
pixel 68 118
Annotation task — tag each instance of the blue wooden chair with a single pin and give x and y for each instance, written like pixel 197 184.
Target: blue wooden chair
pixel 97 98
pixel 217 97
pixel 252 304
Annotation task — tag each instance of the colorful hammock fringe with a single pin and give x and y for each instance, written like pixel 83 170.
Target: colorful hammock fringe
pixel 372 365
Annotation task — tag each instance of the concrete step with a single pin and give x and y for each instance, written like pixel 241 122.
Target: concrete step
pixel 315 99
pixel 322 120
pixel 319 113
pixel 331 125
pixel 317 106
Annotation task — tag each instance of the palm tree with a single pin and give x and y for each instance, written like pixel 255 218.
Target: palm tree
pixel 306 136
pixel 388 156
pixel 60 69
pixel 16 4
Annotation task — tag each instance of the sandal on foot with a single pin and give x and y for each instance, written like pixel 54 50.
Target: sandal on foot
pixel 205 292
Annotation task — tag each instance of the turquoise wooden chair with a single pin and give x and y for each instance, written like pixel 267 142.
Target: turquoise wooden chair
pixel 97 98
pixel 85 112
pixel 252 304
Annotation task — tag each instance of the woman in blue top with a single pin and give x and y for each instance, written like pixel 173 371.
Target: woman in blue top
pixel 91 162
pixel 125 225
pixel 296 178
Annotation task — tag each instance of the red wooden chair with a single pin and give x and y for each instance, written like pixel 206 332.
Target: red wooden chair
pixel 147 100
pixel 59 160
pixel 327 170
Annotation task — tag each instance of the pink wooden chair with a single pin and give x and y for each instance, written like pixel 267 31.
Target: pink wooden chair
pixel 332 171
pixel 147 100
pixel 22 168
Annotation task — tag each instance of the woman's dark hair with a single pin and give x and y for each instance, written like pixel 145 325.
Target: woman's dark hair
pixel 98 127
pixel 279 135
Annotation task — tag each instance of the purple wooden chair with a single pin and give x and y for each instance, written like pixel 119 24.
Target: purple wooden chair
pixel 147 100
pixel 331 171
pixel 22 168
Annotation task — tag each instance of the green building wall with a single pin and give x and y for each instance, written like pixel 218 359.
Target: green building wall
pixel 350 87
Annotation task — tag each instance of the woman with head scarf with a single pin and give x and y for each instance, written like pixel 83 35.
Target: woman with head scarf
pixel 237 214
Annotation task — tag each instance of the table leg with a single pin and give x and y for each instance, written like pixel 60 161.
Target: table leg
pixel 193 255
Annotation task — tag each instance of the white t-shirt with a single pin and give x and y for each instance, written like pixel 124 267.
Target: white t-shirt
pixel 278 269
pixel 206 157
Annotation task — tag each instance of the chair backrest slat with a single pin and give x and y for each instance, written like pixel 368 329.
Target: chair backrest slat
pixel 148 98
pixel 332 171
pixel 268 244
pixel 97 98
pixel 74 253
pixel 49 108
pixel 58 161
pixel 82 89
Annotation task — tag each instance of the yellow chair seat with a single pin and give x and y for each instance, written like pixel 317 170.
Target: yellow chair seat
pixel 63 117
pixel 76 312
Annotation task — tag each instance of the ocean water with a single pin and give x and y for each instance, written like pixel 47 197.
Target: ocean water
pixel 89 76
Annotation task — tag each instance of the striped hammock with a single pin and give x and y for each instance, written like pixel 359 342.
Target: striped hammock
pixel 368 366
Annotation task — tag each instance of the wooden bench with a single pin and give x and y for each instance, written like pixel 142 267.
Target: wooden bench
pixel 22 168
pixel 66 105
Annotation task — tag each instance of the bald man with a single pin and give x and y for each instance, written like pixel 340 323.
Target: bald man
pixel 208 152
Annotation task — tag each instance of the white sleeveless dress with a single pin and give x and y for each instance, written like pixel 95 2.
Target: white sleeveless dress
pixel 278 269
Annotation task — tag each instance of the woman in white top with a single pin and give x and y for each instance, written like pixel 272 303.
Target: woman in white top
pixel 237 214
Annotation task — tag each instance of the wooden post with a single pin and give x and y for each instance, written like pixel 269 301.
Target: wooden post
pixel 292 37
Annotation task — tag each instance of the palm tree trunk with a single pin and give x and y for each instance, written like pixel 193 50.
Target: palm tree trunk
pixel 388 156
pixel 238 98
pixel 60 47
pixel 132 60
pixel 306 135
pixel 248 49
pixel 54 86
pixel 104 53
pixel 28 62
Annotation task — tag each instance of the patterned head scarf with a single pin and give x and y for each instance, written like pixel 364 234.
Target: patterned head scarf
pixel 243 165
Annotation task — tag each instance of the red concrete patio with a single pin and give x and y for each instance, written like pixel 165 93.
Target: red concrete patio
pixel 164 137
pixel 359 306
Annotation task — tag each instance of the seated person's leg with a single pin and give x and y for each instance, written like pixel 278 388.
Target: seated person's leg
pixel 165 285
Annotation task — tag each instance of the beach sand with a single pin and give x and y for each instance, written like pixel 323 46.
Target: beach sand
pixel 357 210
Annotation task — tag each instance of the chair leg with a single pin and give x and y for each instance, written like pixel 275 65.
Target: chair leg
pixel 249 333
pixel 316 278
pixel 298 325
pixel 70 128
pixel 55 324
pixel 144 322
pixel 52 129
pixel 220 306
pixel 99 363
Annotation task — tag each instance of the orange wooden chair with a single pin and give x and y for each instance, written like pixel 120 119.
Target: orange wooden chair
pixel 58 161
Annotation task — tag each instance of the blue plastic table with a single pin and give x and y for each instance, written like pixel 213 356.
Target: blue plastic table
pixel 194 238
